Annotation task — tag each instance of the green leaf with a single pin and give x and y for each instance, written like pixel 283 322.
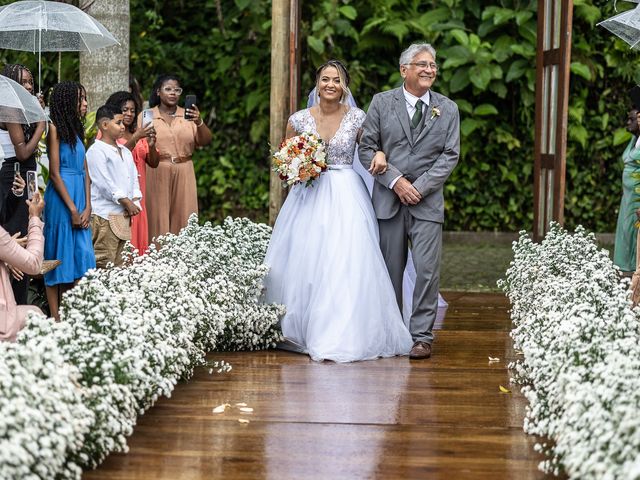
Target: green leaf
pixel 503 15
pixel 524 16
pixel 469 125
pixel 316 44
pixel 579 134
pixel 456 56
pixel 581 70
pixel 460 80
pixel 397 28
pixel 516 70
pixel 621 136
pixel 590 13
pixel 348 11
pixel 529 32
pixel 485 109
pixel 502 48
pixel 253 100
pixel 480 76
pixel 242 4
pixel 464 105
pixel 461 36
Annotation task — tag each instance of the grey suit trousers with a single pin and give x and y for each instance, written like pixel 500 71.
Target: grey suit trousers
pixel 426 244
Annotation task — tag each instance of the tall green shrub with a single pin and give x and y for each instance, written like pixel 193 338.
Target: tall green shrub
pixel 221 49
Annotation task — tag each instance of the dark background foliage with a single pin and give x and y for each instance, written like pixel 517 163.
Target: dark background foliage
pixel 221 49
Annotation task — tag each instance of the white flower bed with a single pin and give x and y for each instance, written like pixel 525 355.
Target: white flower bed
pixel 70 392
pixel 580 340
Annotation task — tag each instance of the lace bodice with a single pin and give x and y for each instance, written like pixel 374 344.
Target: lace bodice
pixel 341 147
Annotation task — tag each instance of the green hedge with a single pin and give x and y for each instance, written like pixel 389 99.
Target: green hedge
pixel 487 56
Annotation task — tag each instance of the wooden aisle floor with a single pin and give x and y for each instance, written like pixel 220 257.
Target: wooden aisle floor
pixel 443 418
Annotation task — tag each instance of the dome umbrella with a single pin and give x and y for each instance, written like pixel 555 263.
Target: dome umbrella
pixel 17 105
pixel 625 25
pixel 41 26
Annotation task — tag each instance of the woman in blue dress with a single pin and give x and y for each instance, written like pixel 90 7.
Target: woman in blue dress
pixel 68 198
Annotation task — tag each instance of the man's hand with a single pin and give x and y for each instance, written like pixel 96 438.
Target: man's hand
pixel 406 192
pixel 131 208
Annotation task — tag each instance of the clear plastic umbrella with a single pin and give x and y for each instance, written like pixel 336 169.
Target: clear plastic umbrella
pixel 17 105
pixel 625 25
pixel 39 26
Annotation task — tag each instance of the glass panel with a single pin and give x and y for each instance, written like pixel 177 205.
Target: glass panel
pixel 545 110
pixel 557 7
pixel 553 109
pixel 543 199
pixel 546 44
pixel 549 204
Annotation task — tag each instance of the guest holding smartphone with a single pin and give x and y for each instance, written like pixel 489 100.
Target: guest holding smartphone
pixel 20 145
pixel 27 258
pixel 171 188
pixel 68 194
pixel 141 141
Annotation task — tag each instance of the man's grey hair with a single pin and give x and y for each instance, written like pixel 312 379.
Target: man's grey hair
pixel 414 49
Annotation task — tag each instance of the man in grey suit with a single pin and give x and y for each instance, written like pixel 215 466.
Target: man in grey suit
pixel 419 132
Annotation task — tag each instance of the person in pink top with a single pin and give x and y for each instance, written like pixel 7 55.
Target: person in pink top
pixel 28 260
pixel 141 142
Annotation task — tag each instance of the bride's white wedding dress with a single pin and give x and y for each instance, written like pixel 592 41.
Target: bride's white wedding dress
pixel 325 261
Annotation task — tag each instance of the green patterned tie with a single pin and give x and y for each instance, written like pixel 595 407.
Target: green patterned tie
pixel 417 116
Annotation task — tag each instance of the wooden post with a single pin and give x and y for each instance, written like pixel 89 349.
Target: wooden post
pixel 279 102
pixel 555 19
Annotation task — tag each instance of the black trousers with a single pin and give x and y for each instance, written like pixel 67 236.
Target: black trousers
pixel 16 216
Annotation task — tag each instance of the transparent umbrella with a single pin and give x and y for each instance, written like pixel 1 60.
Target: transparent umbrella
pixel 17 105
pixel 625 25
pixel 40 26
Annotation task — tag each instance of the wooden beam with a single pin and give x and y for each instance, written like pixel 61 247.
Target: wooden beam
pixel 279 103
pixel 552 103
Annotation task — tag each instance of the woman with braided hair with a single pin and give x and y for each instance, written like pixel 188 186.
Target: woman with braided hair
pixel 68 195
pixel 20 144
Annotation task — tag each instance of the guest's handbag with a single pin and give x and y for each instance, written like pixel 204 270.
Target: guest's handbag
pixel 120 226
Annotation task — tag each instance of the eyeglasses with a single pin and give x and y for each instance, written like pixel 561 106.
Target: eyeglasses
pixel 177 91
pixel 425 65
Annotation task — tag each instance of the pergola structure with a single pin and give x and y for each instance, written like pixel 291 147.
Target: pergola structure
pixel 552 99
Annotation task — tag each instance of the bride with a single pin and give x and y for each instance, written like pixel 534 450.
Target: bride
pixel 325 261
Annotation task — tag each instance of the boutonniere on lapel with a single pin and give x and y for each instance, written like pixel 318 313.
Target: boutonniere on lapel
pixel 435 112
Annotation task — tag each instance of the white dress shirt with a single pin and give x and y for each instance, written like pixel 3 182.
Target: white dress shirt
pixel 410 103
pixel 113 176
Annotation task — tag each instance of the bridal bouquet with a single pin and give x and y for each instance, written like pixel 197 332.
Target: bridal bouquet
pixel 300 159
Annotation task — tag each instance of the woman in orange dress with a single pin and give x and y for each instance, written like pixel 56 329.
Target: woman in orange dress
pixel 141 142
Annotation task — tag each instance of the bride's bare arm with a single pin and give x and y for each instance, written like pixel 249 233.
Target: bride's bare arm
pixel 290 131
pixel 378 164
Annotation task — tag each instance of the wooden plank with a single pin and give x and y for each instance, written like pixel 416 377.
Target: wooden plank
pixel 389 418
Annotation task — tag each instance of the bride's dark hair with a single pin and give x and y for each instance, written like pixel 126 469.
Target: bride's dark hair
pixel 345 79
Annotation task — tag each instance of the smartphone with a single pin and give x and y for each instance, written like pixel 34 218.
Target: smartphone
pixel 16 169
pixel 189 102
pixel 32 183
pixel 147 117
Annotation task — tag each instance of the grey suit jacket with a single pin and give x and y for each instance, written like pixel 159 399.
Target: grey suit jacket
pixel 426 162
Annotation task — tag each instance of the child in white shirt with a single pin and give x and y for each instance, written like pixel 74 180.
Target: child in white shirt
pixel 115 192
